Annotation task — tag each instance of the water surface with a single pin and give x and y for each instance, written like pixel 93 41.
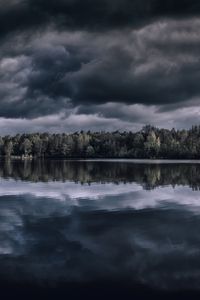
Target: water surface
pixel 100 225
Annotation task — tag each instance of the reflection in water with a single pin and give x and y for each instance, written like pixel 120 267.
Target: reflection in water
pixel 149 175
pixel 62 231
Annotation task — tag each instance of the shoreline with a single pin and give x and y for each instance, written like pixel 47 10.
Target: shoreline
pixel 126 160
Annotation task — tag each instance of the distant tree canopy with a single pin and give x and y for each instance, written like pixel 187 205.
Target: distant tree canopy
pixel 150 142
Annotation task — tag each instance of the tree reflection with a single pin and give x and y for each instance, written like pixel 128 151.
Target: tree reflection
pixel 149 176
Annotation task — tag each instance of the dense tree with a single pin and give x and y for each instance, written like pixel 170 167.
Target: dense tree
pixel 150 142
pixel 26 147
pixel 152 145
pixel 8 147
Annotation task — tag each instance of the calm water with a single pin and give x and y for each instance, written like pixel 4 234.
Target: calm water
pixel 100 228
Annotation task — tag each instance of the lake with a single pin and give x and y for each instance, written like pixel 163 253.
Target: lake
pixel 100 228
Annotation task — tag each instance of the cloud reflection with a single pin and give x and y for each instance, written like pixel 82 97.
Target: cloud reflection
pixel 63 231
pixel 107 196
pixel 51 241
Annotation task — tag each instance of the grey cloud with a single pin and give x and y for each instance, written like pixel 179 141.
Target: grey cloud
pixel 61 123
pixel 85 68
pixel 110 116
pixel 89 15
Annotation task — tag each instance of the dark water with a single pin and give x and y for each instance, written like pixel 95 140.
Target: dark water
pixel 99 229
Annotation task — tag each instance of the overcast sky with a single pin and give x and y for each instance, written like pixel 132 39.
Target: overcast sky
pixel 68 65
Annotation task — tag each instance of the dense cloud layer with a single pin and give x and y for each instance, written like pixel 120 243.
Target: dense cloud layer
pixel 74 58
pixel 90 14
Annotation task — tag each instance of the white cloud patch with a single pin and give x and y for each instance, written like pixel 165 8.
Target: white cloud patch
pixel 108 117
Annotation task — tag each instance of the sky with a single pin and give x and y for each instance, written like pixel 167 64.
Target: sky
pixel 70 65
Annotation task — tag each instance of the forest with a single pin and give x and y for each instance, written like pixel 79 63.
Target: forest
pixel 149 142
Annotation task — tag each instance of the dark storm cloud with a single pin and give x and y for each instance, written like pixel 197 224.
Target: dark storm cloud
pixel 48 72
pixel 90 14
pixel 74 57
pixel 53 70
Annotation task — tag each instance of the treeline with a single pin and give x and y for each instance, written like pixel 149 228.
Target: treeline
pixel 150 142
